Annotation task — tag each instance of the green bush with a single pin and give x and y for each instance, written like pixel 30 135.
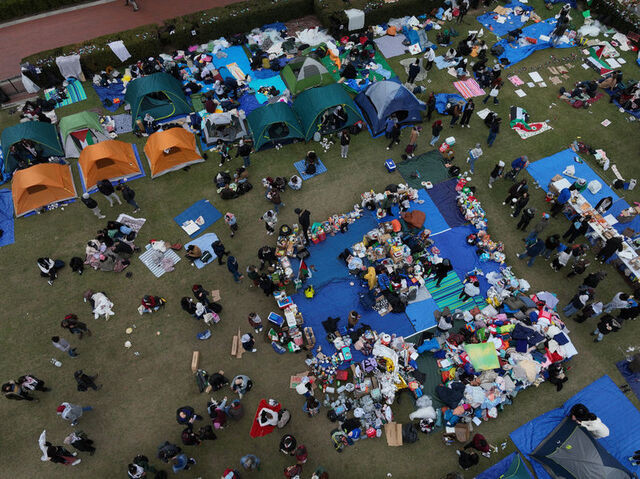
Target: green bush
pixel 95 54
pixel 616 15
pixel 12 9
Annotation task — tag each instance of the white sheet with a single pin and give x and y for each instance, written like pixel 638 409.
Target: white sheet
pixel 69 66
pixel 356 19
pixel 120 50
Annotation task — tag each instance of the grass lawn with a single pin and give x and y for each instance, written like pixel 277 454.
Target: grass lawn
pixel 135 410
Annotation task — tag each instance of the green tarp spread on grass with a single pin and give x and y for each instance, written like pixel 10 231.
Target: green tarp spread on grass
pixel 42 134
pixel 159 94
pixel 429 165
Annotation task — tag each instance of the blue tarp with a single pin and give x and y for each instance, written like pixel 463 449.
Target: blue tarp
pixel 605 400
pixel 617 103
pixel 204 243
pixel 633 379
pixel 201 208
pixel 279 26
pixel 546 168
pixel 445 196
pixel 421 314
pixel 234 54
pixel 4 176
pixel 513 21
pixel 113 91
pixel 299 165
pixel 496 471
pixel 434 221
pixel 443 98
pixel 6 217
pixel 275 81
pixel 515 53
pixel 248 103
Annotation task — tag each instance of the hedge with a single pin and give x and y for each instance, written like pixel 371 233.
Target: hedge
pixel 616 15
pixel 12 9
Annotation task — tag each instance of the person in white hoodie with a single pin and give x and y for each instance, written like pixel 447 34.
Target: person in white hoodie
pixel 592 423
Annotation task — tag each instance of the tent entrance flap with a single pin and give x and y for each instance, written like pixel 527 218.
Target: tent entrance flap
pixel 278 130
pixel 32 190
pixel 158 105
pixel 401 115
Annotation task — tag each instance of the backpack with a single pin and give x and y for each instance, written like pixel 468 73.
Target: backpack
pixel 202 379
pixel 497 50
pixel 339 439
pixel 284 416
pixel 206 257
pixel 409 433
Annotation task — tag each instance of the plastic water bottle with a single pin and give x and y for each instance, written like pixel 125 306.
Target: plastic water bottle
pixel 55 362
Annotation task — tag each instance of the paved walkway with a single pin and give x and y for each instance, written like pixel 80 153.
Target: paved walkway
pixel 57 30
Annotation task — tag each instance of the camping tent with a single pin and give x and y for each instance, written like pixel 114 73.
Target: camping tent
pixel 44 135
pixel 303 73
pixel 111 159
pixel 228 126
pixel 313 106
pixel 571 452
pixel 385 98
pixel 159 94
pixel 80 130
pixel 171 150
pixel 511 467
pixel 41 185
pixel 274 123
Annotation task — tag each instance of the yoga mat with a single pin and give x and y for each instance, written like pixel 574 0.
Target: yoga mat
pixel 605 400
pixel 202 208
pixel 632 379
pixel 204 243
pixel 444 196
pixel 320 168
pixel 429 166
pixel 75 93
pixel 111 92
pixel 446 295
pixel 391 46
pixel 6 217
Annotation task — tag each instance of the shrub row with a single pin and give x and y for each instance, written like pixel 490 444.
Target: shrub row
pixel 616 15
pixel 12 9
pixel 199 27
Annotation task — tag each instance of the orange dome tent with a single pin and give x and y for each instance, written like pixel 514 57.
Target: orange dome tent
pixel 111 159
pixel 171 150
pixel 41 185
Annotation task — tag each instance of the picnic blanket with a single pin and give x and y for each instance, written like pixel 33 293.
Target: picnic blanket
pixel 320 168
pixel 202 208
pixel 6 217
pixel 204 243
pixel 590 101
pixel 382 71
pixel 115 91
pixel 74 90
pixel 391 46
pixel 429 167
pixel 135 224
pixel 123 123
pixel 150 260
pixel 511 21
pixel 442 64
pixel 443 98
pixel 275 81
pixel 468 88
pixel 516 53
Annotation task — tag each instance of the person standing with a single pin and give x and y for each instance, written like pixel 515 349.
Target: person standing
pixel 219 250
pixel 270 219
pixel 619 301
pixel 516 191
pixel 578 301
pixel 274 196
pixel 106 188
pixel 389 124
pixel 539 227
pixel 497 172
pixel 92 205
pixel 558 205
pixel 232 266
pixel 519 205
pixel 85 382
pixel 493 94
pixel 474 154
pixel 494 129
pixel 244 151
pixel 436 129
pixel 345 139
pixel 467 112
pixel 414 70
pixel 72 412
pixel 134 3
pixel 64 346
pixel 442 270
pixel 81 442
pixel 525 219
pixel 267 256
pixel 430 57
pixel 551 244
pixel 223 150
pixel 579 226
pixel 532 251
pixel 394 136
pixel 255 321
pixel 456 111
pixel 304 220
pixel 611 246
pixel 232 223
pixel 129 196
pixel 431 105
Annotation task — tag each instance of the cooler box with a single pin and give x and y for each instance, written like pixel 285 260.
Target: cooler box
pixel 275 319
pixel 390 165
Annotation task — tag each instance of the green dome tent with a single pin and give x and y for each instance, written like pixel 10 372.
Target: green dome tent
pixel 44 135
pixel 314 106
pixel 80 130
pixel 159 94
pixel 303 73
pixel 274 123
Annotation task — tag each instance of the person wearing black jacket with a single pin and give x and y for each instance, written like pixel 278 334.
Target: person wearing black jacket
pixel 611 246
pixel 129 196
pixel 466 113
pixel 244 150
pixel 551 244
pixel 267 256
pixel 442 270
pixel 607 324
pixel 592 280
pixel 579 226
pixel 431 105
pixel 525 219
pixel 395 136
pixel 304 221
pixel 92 205
pixel 219 250
pixel 519 205
pixel 106 188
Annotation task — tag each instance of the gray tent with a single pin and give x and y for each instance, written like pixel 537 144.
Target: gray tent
pixel 571 452
pixel 228 127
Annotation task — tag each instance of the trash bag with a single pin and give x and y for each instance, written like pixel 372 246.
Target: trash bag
pixel 409 433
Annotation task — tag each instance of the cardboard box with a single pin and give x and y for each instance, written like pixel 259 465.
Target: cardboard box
pixel 393 433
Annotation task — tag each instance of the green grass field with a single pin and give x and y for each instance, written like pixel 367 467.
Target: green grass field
pixel 135 410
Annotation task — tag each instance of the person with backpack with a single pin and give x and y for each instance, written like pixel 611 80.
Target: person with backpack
pixel 494 129
pixel 497 172
pixel 92 205
pixel 533 251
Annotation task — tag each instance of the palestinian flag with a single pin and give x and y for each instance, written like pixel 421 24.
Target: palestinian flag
pixel 304 272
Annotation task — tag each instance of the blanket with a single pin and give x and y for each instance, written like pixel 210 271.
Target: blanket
pixel 114 93
pixel 256 429
pixel 391 46
pixel 123 123
pixel 158 262
pixel 468 88
pixel 202 211
pixel 6 217
pixel 443 98
pixel 74 91
pixel 320 168
pixel 204 243
pixel 134 223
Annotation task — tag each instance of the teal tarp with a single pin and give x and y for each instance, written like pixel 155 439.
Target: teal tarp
pixel 159 94
pixel 274 123
pixel 310 106
pixel 44 135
